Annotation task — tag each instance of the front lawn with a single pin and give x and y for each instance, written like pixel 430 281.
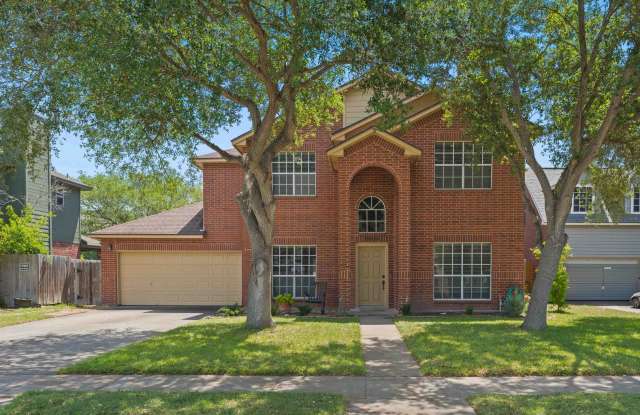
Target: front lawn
pixel 584 341
pixel 11 316
pixel 560 404
pixel 296 346
pixel 159 403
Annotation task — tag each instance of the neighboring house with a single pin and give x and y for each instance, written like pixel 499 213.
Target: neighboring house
pixel 29 184
pixel 415 213
pixel 47 191
pixel 605 259
pixel 90 248
pixel 65 205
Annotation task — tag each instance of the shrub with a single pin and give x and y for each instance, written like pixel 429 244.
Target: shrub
pixel 231 311
pixel 514 301
pixel 468 310
pixel 405 309
pixel 286 299
pixel 20 234
pixel 275 310
pixel 558 293
pixel 304 309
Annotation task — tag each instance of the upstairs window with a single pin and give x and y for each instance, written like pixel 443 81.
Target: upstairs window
pixel 371 215
pixel 461 165
pixel 59 200
pixel 294 174
pixel 635 201
pixel 582 199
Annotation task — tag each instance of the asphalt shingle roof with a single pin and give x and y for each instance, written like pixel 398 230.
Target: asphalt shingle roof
pixel 535 190
pixel 186 220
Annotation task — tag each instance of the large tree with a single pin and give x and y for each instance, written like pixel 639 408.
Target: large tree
pixel 143 81
pixel 525 75
pixel 121 197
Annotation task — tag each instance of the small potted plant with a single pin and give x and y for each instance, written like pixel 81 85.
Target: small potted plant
pixel 285 301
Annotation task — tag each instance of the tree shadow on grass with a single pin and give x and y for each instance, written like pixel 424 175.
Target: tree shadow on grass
pixel 573 344
pixel 185 403
pixel 226 346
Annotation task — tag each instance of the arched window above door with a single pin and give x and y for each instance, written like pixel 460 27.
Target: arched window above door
pixel 371 215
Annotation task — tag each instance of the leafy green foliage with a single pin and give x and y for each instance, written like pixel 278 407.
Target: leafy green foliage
pixel 558 294
pixel 121 197
pixel 468 310
pixel 231 311
pixel 405 309
pixel 286 298
pixel 514 302
pixel 21 234
pixel 304 309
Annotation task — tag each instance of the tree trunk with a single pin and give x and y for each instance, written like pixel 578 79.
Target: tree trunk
pixel 258 218
pixel 536 318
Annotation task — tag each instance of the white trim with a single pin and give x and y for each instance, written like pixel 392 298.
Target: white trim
pixel 595 225
pixel 315 275
pixel 384 210
pixel 293 174
pixel 636 189
pixel 573 211
pixel 601 261
pixel 462 299
pixel 435 166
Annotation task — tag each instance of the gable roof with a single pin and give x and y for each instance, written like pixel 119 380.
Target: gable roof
pixel 535 189
pixel 338 150
pixel 183 222
pixel 214 157
pixel 69 181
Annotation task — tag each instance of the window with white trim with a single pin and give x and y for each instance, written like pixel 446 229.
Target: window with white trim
pixel 582 199
pixel 371 215
pixel 462 271
pixel 462 165
pixel 294 270
pixel 635 201
pixel 294 173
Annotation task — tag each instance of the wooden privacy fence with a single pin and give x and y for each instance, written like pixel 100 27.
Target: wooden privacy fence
pixel 46 279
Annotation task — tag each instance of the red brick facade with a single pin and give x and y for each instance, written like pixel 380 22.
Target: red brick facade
pixel 65 249
pixel 418 215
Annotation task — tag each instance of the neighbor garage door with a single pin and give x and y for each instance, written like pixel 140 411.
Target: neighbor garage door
pixel 180 278
pixel 605 281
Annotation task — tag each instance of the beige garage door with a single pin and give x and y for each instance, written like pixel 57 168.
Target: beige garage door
pixel 180 278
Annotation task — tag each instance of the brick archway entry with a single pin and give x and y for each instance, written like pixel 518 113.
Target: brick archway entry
pixel 374 166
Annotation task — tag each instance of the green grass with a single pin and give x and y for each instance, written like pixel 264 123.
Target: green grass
pixel 11 316
pixel 159 403
pixel 583 341
pixel 559 404
pixel 296 346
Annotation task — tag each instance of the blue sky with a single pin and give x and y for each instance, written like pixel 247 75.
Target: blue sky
pixel 71 158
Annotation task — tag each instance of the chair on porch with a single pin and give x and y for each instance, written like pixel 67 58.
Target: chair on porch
pixel 320 297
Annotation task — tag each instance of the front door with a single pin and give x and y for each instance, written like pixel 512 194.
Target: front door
pixel 373 279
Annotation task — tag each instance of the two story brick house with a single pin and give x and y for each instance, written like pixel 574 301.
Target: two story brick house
pixel 415 213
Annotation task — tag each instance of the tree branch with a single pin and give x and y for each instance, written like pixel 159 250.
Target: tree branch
pixel 224 154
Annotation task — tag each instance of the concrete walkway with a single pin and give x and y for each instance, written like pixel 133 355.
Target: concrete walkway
pixel 393 384
pixel 385 353
pixel 383 395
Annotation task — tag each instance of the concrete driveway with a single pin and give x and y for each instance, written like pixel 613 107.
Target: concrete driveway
pixel 42 347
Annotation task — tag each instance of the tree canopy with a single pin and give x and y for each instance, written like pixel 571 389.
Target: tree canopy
pixel 122 197
pixel 562 76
